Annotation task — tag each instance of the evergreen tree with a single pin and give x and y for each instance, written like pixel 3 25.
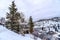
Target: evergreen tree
pixel 58 26
pixel 13 18
pixel 31 24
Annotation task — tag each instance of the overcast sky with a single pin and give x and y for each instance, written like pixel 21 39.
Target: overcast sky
pixel 38 9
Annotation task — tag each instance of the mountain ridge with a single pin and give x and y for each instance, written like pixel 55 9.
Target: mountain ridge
pixel 56 19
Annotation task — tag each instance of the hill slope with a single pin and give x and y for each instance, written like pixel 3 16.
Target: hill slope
pixel 6 34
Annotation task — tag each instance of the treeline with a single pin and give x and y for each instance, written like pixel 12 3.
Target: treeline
pixel 14 18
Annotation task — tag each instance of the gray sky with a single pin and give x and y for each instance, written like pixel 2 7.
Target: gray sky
pixel 38 9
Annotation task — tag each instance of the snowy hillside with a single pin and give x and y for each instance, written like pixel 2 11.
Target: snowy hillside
pixel 6 34
pixel 49 24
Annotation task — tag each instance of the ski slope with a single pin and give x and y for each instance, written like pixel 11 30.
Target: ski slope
pixel 6 34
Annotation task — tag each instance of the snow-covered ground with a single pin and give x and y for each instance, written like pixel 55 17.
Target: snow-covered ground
pixel 6 34
pixel 48 24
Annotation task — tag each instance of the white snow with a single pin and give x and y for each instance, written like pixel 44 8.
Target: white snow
pixel 6 34
pixel 48 24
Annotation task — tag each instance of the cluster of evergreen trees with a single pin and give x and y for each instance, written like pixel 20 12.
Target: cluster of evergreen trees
pixel 13 17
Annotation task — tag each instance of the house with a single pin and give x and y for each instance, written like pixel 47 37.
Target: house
pixel 24 28
pixel 2 21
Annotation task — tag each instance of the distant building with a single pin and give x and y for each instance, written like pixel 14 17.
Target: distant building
pixel 2 21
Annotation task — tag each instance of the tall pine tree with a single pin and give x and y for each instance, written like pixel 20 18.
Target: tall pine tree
pixel 31 24
pixel 13 18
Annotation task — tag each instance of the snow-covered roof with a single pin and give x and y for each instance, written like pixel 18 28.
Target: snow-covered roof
pixel 23 23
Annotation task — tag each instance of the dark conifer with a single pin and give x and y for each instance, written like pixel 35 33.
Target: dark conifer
pixel 13 18
pixel 31 24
